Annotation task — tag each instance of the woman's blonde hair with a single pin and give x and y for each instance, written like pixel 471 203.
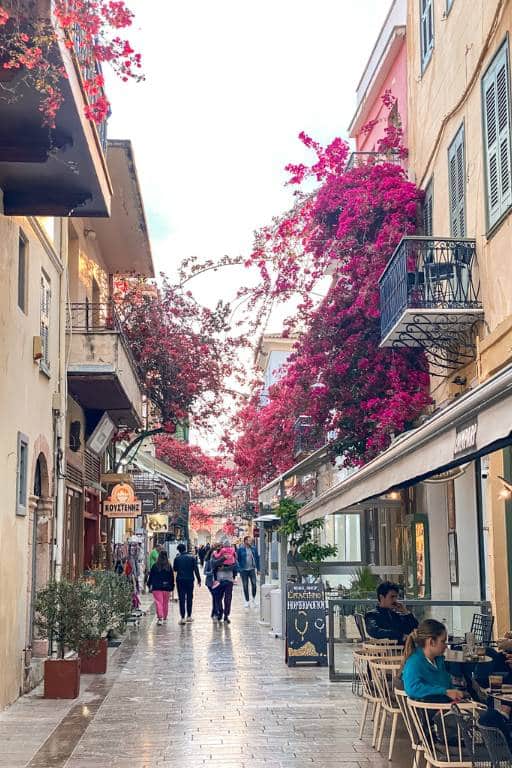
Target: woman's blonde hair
pixel 428 629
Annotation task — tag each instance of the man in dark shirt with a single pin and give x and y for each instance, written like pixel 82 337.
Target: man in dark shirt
pixel 185 567
pixel 390 620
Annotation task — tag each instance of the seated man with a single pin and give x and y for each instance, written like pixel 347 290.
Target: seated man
pixel 389 620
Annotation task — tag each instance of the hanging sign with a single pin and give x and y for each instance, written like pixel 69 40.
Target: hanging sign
pixel 158 523
pixel 306 635
pixel 149 502
pixel 465 437
pixel 122 502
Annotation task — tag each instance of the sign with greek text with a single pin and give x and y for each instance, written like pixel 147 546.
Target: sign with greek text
pixel 122 503
pixel 306 634
pixel 465 438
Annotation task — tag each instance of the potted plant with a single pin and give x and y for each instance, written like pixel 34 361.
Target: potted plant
pixel 64 614
pixel 112 600
pixel 305 552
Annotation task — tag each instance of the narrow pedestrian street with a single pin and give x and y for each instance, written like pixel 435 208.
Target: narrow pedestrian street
pixel 201 694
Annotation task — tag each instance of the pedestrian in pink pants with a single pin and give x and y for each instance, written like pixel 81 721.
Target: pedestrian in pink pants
pixel 161 584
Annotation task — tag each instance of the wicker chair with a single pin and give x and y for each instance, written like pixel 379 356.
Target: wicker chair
pixel 497 746
pixel 370 693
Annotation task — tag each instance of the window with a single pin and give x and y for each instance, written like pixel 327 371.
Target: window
pixel 21 475
pixel 457 185
pixel 426 31
pixel 46 296
pixel 428 210
pixel 496 122
pixel 344 532
pixel 22 272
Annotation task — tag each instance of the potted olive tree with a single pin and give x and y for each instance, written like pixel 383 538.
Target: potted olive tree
pixel 65 612
pixel 112 601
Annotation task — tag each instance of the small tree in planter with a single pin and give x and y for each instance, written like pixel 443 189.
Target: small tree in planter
pixel 112 599
pixel 306 554
pixel 65 612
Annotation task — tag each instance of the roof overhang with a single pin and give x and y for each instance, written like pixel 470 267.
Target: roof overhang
pixel 163 470
pixel 479 422
pixel 123 238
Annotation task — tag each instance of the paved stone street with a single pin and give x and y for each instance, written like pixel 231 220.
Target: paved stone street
pixel 194 695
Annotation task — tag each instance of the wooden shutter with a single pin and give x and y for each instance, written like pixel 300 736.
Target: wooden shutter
pixel 428 212
pixel 496 109
pixel 45 321
pixel 457 183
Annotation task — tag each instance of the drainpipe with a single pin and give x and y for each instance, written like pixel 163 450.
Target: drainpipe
pixel 59 414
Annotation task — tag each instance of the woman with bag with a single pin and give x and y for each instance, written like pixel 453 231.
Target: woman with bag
pixel 210 580
pixel 161 583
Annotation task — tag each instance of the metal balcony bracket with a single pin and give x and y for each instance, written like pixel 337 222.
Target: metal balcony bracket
pixel 448 342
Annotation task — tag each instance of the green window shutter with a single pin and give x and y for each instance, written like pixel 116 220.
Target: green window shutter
pixel 457 183
pixel 496 109
pixel 426 31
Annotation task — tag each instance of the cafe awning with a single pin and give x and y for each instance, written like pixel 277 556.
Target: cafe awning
pixel 477 423
pixel 162 470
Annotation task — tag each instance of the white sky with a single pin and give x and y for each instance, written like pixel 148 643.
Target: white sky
pixel 229 85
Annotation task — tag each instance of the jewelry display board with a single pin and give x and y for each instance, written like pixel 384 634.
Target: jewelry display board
pixel 306 635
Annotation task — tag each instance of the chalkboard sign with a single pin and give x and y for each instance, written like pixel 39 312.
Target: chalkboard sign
pixel 306 636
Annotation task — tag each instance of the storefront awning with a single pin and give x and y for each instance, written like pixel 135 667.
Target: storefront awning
pixel 477 423
pixel 162 470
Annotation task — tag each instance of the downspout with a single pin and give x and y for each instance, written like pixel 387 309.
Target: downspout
pixel 60 414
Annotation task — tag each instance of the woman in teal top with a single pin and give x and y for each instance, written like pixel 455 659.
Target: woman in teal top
pixel 423 673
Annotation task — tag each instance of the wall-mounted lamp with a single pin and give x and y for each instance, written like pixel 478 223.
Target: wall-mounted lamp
pixel 90 234
pixel 506 491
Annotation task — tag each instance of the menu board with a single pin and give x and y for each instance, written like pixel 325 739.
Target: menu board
pixel 306 635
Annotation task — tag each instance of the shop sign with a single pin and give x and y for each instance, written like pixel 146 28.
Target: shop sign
pixel 113 478
pixel 122 503
pixel 158 523
pixel 102 435
pixel 306 635
pixel 465 437
pixel 148 499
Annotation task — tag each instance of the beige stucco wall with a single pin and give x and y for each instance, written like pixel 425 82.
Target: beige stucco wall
pixel 442 98
pixel 26 407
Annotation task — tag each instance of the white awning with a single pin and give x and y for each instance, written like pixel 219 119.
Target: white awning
pixel 477 423
pixel 155 466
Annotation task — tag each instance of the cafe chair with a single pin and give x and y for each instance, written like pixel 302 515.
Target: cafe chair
pixel 402 701
pixel 381 649
pixel 481 628
pixel 370 693
pixel 499 751
pixel 361 626
pixel 473 740
pixel 383 675
pixel 441 737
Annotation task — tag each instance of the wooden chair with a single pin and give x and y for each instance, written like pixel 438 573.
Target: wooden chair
pixel 370 693
pixel 382 649
pixel 383 674
pixel 402 701
pixel 440 748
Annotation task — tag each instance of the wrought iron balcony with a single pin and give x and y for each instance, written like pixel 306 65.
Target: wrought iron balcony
pixel 429 298
pixel 357 159
pixel 102 374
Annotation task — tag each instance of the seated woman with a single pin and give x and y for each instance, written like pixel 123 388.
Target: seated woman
pixel 423 672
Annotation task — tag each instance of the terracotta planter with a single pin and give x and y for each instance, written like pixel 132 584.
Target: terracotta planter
pixel 94 663
pixel 61 678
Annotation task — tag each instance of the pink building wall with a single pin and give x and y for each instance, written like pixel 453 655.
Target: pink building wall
pixel 396 82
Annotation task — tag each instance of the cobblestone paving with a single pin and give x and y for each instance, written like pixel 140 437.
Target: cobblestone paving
pixel 201 694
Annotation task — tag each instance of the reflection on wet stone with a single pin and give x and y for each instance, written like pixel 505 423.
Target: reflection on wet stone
pixel 201 694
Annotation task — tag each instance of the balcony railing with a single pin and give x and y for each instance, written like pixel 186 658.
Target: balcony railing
pixel 89 68
pixel 358 159
pixel 430 296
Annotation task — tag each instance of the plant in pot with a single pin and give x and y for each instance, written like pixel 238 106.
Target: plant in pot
pixel 305 553
pixel 64 614
pixel 363 583
pixel 112 600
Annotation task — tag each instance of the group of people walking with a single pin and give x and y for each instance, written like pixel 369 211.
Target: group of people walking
pixel 221 562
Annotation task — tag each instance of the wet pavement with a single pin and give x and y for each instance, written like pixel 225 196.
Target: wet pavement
pixel 199 694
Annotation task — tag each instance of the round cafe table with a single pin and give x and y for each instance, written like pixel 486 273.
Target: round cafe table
pixel 458 666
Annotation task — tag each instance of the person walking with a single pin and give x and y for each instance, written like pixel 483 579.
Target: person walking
pixel 185 567
pixel 248 564
pixel 210 579
pixel 225 574
pixel 201 553
pixel 161 582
